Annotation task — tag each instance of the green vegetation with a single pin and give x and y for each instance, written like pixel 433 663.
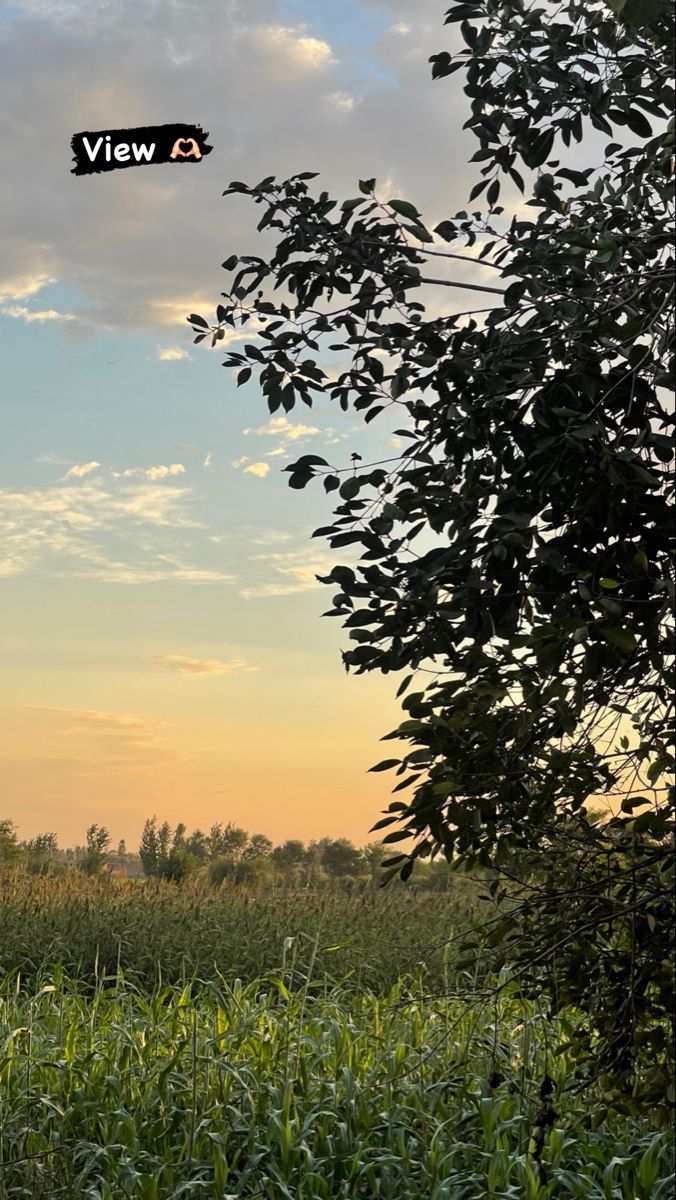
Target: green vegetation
pixel 512 562
pixel 156 930
pixel 226 854
pixel 280 1065
pixel 209 1032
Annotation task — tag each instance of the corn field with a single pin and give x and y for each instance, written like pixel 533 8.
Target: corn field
pixel 298 1082
pixel 164 933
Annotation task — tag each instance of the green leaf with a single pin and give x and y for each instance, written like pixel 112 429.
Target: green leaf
pixel 405 209
pixel 493 193
pixel 350 488
pixel 447 230
pixel 386 764
pixel 400 835
pixel 631 802
pixel 383 823
pixel 639 12
pixel 618 635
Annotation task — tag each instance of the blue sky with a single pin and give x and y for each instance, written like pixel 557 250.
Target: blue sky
pixel 159 609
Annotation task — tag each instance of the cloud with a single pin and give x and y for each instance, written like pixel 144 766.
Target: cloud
pixel 208 461
pixel 151 473
pixel 81 469
pixel 117 734
pixel 164 472
pixel 171 354
pixel 20 312
pixel 342 100
pixel 129 533
pixel 22 286
pixel 293 571
pixel 174 311
pixel 261 469
pixel 271 537
pixel 289 431
pixel 200 666
pixel 51 457
pixel 308 53
pixel 142 248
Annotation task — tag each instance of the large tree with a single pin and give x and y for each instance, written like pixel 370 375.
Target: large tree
pixel 515 561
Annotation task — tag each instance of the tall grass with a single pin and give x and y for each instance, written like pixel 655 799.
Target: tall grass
pixel 159 1043
pixel 165 933
pixel 287 1090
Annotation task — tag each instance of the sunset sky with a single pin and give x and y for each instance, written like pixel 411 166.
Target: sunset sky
pixel 160 625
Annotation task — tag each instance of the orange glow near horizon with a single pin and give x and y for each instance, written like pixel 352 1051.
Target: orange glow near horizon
pixel 302 773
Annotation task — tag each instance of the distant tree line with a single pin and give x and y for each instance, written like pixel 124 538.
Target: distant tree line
pixel 226 854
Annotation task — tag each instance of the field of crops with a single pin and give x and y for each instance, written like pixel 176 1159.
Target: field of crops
pixel 311 1075
pixel 165 934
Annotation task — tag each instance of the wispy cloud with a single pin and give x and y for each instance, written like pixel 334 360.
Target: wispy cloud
pixel 171 354
pixel 259 469
pixel 81 469
pixel 166 568
pixel 282 427
pixel 271 537
pixel 308 53
pixel 201 666
pixel 151 473
pixel 288 572
pixel 23 286
pixel 20 313
pixel 175 311
pixel 118 734
pixel 342 101
pixel 125 533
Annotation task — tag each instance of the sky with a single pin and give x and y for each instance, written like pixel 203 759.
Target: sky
pixel 161 637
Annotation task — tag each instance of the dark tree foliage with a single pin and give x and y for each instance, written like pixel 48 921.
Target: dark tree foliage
pixel 96 852
pixel 515 561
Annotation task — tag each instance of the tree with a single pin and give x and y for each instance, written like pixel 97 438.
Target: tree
pixel 167 855
pixel 97 843
pixel 290 860
pixel 227 841
pixel 197 845
pixel 40 853
pixel 341 859
pixel 149 848
pixel 178 864
pixel 516 558
pixel 258 846
pixel 10 850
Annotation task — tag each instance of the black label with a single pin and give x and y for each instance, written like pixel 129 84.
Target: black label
pixel 112 149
